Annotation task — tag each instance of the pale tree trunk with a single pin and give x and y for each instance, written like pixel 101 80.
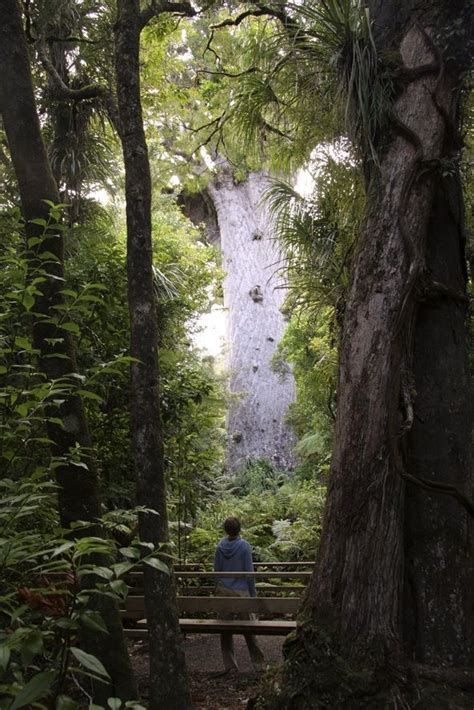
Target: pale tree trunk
pixel 78 493
pixel 353 649
pixel 168 681
pixel 254 291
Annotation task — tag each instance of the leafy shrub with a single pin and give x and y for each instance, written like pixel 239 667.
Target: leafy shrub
pixel 48 578
pixel 283 524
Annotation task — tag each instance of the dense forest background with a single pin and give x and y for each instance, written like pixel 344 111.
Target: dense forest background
pixel 115 117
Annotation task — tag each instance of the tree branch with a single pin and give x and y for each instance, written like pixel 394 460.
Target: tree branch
pixel 234 21
pixel 260 10
pixel 252 70
pixel 159 7
pixel 75 40
pixel 92 91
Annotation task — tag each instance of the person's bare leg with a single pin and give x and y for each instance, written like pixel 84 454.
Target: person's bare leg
pixel 255 652
pixel 227 648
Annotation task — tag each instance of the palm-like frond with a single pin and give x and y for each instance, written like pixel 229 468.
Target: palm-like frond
pixel 168 286
pixel 317 234
pixel 339 32
pixel 315 82
pixel 308 238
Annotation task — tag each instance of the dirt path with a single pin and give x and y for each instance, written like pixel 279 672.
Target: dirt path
pixel 209 690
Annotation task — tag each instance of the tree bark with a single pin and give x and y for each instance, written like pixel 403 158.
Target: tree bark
pixel 168 680
pixel 439 589
pixel 78 492
pixel 253 296
pixel 361 547
pixel 353 647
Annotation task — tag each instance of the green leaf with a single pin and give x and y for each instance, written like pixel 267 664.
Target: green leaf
pixel 22 343
pixel 114 703
pixel 122 568
pixel 88 661
pixel 28 301
pixel 130 552
pixel 119 587
pixel 68 624
pixel 90 395
pixel 49 256
pixel 32 646
pixel 33 241
pixel 71 328
pixel 62 548
pixel 63 702
pixel 3 370
pixel 4 658
pixel 80 464
pixel 103 572
pixel 157 564
pixel 35 689
pixel 93 620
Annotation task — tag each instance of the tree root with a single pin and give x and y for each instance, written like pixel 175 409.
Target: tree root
pixel 317 675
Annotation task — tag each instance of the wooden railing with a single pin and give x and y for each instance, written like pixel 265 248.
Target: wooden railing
pixel 189 602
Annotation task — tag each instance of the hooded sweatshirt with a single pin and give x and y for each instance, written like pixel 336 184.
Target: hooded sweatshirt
pixel 235 555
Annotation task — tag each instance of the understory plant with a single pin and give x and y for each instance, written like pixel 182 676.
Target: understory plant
pixel 281 516
pixel 50 580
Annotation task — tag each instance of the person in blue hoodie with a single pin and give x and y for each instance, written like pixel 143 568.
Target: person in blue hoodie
pixel 234 554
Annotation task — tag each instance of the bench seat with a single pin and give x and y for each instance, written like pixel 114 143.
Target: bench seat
pixel 135 605
pixel 219 626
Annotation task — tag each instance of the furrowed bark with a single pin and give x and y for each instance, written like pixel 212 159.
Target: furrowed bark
pixel 168 680
pixel 78 492
pixel 361 555
pixel 376 607
pixel 439 585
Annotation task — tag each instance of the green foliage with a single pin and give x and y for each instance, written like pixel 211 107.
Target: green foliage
pixel 318 234
pixel 48 577
pixel 191 396
pixel 281 517
pixel 338 33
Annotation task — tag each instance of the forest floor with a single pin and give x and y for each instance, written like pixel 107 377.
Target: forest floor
pixel 210 688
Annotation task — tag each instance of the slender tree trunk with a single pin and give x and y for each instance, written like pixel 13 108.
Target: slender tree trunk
pixel 78 493
pixel 352 648
pixel 168 680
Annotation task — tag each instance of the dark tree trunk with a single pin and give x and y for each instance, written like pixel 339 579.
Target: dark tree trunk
pixel 352 649
pixel 438 608
pixel 168 681
pixel 78 493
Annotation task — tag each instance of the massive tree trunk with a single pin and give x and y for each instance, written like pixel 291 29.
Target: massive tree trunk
pixel 78 492
pixel 353 649
pixel 439 591
pixel 168 682
pixel 253 296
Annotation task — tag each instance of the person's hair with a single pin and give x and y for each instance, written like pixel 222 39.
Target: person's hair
pixel 232 526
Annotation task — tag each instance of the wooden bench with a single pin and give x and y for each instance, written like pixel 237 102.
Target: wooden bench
pixel 134 608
